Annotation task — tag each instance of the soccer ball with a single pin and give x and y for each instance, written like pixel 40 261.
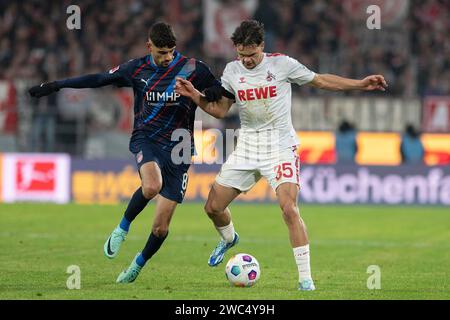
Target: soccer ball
pixel 242 270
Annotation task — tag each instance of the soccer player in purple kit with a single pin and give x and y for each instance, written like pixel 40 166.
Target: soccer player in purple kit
pixel 159 111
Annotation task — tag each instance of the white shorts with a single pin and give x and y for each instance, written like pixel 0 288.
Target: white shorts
pixel 243 171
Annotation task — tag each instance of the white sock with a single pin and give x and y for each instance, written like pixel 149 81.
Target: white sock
pixel 301 255
pixel 227 232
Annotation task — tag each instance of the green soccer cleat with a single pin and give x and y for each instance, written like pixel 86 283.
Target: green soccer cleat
pixel 130 274
pixel 112 244
pixel 306 285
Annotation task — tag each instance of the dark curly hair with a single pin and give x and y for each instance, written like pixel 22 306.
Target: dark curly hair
pixel 250 32
pixel 161 34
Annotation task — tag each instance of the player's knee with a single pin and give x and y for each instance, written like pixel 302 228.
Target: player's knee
pixel 212 209
pixel 208 208
pixel 150 191
pixel 160 231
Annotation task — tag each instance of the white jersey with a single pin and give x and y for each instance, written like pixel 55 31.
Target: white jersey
pixel 263 96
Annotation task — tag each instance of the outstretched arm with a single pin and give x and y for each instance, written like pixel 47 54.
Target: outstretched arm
pixel 90 80
pixel 337 83
pixel 87 81
pixel 217 109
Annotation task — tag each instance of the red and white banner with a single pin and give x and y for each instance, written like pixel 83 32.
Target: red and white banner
pixel 8 110
pixel 36 177
pixel 436 114
pixel 221 19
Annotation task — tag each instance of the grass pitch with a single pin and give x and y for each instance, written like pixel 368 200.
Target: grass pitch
pixel 411 246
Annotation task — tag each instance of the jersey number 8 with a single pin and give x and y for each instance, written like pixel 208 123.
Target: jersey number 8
pixel 184 183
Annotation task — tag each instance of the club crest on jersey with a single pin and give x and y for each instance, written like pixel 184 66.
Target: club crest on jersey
pixel 114 69
pixel 270 76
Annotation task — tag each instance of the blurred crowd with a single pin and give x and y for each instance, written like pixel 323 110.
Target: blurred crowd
pixel 35 39
pixel 322 35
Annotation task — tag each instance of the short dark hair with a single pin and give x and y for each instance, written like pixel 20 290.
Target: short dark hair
pixel 411 131
pixel 250 32
pixel 161 34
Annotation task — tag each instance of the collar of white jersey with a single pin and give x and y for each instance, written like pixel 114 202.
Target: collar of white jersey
pixel 259 66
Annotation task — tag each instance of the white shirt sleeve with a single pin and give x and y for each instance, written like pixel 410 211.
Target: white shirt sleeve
pixel 297 72
pixel 226 79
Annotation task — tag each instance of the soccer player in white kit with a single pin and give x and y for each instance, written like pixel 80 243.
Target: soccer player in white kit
pixel 259 84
